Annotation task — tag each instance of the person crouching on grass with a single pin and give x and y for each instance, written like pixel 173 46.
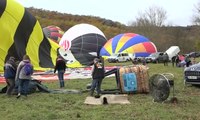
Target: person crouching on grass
pixel 23 75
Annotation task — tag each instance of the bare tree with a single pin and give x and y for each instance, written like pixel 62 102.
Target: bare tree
pixel 152 16
pixel 196 16
pixel 149 23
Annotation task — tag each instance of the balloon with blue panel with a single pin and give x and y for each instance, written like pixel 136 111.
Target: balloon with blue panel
pixel 133 43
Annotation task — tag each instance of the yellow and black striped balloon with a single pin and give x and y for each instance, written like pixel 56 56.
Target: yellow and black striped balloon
pixel 20 34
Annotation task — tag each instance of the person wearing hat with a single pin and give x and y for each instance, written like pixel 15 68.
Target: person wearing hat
pixel 10 69
pixel 97 76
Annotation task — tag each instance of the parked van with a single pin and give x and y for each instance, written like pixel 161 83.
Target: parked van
pixel 119 57
pixel 172 51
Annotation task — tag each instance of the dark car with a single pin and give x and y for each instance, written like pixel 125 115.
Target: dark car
pixel 194 54
pixel 192 74
pixel 155 57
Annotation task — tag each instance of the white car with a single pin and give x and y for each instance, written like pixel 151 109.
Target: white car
pixel 119 57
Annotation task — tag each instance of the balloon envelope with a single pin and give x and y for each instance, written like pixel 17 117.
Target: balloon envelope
pixel 22 34
pixel 54 33
pixel 129 43
pixel 84 41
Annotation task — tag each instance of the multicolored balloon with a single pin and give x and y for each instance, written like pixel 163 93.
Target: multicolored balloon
pixel 129 43
pixel 84 41
pixel 54 33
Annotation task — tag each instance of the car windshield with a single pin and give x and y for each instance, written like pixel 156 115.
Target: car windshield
pixel 114 54
pixel 154 55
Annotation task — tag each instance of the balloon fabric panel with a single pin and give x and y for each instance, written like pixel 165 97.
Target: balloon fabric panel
pixel 134 41
pixel 21 34
pixel 86 47
pixel 33 45
pixel 54 33
pixel 142 54
pixel 115 41
pixel 130 43
pixel 150 47
pixel 108 46
pixel 121 43
pixel 10 24
pixel 3 6
pixel 136 48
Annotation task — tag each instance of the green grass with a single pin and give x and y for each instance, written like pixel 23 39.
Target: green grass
pixel 44 106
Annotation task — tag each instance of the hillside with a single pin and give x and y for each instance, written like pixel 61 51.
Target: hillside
pixel 188 38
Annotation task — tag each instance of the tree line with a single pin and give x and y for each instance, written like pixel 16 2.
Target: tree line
pixel 150 23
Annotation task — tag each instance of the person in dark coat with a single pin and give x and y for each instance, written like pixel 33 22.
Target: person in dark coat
pixel 174 60
pixel 165 59
pixel 60 67
pixel 177 60
pixel 10 69
pixel 188 61
pixel 97 76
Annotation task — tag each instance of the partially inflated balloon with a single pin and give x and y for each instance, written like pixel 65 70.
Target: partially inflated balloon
pixel 54 33
pixel 129 43
pixel 20 34
pixel 84 41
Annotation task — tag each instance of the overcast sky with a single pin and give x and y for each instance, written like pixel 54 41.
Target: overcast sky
pixel 179 12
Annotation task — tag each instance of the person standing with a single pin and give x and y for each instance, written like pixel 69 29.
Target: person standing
pixel 97 76
pixel 23 75
pixel 165 59
pixel 60 67
pixel 188 61
pixel 143 60
pixel 10 69
pixel 173 60
pixel 177 60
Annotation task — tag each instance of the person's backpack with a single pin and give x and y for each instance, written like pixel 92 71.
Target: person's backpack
pixel 28 70
pixel 9 71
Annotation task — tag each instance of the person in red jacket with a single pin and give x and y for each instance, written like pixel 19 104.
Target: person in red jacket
pixel 60 67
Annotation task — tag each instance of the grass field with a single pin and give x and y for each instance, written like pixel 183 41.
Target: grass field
pixel 44 106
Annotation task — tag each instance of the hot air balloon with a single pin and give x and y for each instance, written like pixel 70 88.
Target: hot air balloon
pixel 137 44
pixel 22 34
pixel 84 41
pixel 54 33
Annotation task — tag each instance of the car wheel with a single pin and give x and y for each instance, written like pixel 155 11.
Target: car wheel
pixel 186 84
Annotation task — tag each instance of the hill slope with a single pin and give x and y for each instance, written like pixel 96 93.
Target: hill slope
pixel 185 37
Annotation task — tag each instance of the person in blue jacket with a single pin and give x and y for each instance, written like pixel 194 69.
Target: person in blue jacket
pixel 10 69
